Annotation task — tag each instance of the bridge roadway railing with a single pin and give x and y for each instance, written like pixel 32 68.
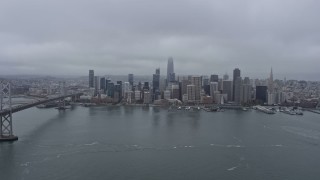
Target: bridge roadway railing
pixel 22 107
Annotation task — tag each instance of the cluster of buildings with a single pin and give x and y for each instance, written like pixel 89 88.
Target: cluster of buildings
pixel 195 90
pixel 167 89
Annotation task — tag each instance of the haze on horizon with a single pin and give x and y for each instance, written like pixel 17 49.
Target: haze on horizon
pixel 58 37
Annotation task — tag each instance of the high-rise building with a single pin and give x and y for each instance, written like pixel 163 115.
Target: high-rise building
pixel 196 81
pixel 103 84
pixel 127 91
pixel 175 92
pixel 205 84
pixel 137 95
pixel 246 91
pixel 236 74
pixel 146 97
pixel 156 84
pixel 110 89
pixel 206 89
pixel 96 84
pixel 184 84
pixel 130 79
pixel 146 86
pixel 220 85
pixel 214 78
pixel 271 94
pixel 237 89
pixel 225 77
pixel 118 89
pixel 261 94
pixel 227 89
pixel 191 92
pixel 213 88
pixel 91 79
pixel 205 80
pixel 270 82
pixel 126 87
pixel 170 71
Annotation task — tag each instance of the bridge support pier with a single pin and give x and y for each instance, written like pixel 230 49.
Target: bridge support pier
pixel 6 133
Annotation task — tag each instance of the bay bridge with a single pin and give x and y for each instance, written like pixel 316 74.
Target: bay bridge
pixel 7 109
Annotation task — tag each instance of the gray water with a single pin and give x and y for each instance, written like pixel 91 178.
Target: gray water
pixel 152 143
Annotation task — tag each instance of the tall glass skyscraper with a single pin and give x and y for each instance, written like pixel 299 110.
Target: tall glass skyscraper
pixel 91 79
pixel 156 84
pixel 170 71
pixel 130 79
pixel 236 75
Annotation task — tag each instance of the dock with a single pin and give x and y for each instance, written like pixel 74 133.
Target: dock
pixel 264 109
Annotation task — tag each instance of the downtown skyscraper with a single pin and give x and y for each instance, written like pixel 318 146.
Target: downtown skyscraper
pixel 156 84
pixel 170 71
pixel 91 79
pixel 236 85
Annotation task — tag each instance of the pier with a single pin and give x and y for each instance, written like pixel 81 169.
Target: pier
pixel 264 109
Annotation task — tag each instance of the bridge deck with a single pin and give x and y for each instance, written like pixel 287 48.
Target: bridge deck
pixel 26 106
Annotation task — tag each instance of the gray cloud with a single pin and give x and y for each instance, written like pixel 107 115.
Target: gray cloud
pixel 136 36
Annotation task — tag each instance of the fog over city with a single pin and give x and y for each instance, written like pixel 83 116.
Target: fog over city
pixel 59 37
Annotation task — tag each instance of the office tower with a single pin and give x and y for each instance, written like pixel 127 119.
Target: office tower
pixel 271 94
pixel 107 81
pixel 184 84
pixel 271 98
pixel 146 86
pixel 246 80
pixel 227 89
pixel 205 80
pixel 130 79
pixel 191 92
pixel 139 87
pixel 129 96
pixel 213 88
pixel 196 81
pixel 96 85
pixel 220 85
pixel 146 97
pixel 158 71
pixel 206 89
pixel 103 84
pixel 237 89
pixel 270 82
pixel 236 74
pixel 214 78
pixel 91 79
pixel 126 87
pixel 163 84
pixel 110 89
pixel 261 94
pixel 170 71
pixel 119 89
pixel 175 92
pixel 246 91
pixel 156 84
pixel 137 95
pixel 225 77
pixel 127 91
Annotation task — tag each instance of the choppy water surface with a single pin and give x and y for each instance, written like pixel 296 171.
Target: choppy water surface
pixel 152 143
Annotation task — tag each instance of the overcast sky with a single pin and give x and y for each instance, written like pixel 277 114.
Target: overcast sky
pixel 69 37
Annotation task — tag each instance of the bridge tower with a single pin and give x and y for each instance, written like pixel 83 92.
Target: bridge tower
pixel 6 133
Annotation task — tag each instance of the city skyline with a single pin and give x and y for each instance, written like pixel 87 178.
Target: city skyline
pixel 117 37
